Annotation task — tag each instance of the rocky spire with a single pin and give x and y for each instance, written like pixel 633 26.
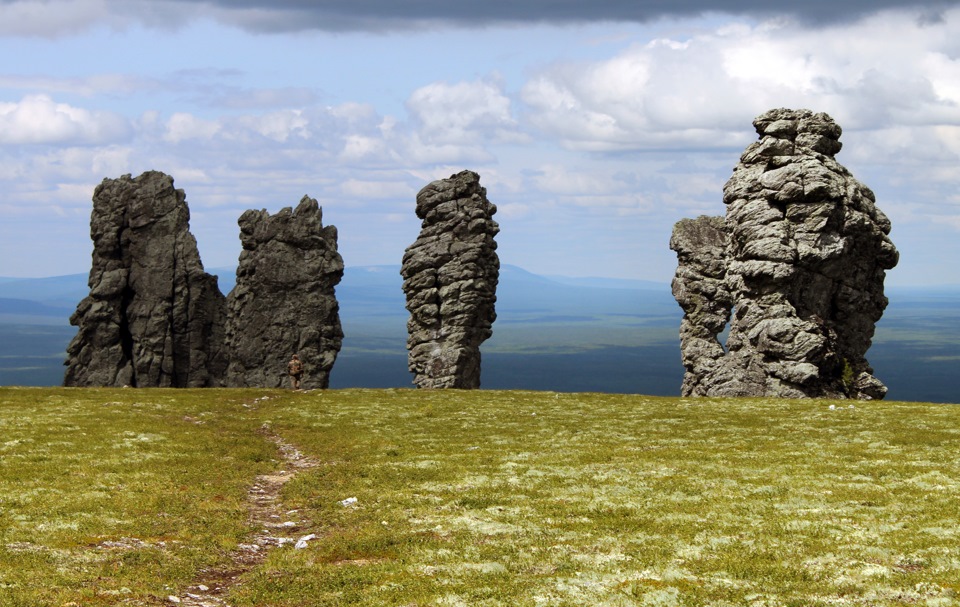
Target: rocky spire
pixel 153 318
pixel 284 301
pixel 799 260
pixel 450 281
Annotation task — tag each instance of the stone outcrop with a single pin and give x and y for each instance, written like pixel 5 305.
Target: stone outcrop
pixel 796 266
pixel 450 281
pixel 153 317
pixel 284 302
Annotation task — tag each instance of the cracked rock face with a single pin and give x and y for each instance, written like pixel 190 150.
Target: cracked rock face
pixel 450 281
pixel 153 317
pixel 284 302
pixel 796 267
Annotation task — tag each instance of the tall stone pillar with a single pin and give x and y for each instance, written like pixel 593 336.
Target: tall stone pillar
pixel 450 281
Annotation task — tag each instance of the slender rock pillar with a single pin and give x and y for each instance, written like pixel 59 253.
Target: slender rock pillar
pixel 450 281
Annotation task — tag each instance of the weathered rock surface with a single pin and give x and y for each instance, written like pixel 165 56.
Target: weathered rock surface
pixel 284 301
pixel 450 281
pixel 799 261
pixel 153 318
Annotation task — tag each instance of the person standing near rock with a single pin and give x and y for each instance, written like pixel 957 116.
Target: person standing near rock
pixel 295 369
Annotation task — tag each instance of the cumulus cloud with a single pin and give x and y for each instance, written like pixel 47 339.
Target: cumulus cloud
pixel 38 119
pixel 462 112
pixel 280 126
pixel 699 92
pixel 289 141
pixel 183 127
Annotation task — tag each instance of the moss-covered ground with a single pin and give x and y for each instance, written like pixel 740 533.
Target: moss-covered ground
pixel 124 497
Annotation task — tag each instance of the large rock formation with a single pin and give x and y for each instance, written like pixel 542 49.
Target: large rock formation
pixel 450 281
pixel 799 261
pixel 153 318
pixel 284 301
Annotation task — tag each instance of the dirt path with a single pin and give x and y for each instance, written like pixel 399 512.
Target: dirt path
pixel 275 526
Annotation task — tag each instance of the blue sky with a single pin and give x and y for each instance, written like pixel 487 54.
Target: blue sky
pixel 594 126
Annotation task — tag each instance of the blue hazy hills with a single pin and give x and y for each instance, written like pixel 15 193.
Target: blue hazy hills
pixel 552 333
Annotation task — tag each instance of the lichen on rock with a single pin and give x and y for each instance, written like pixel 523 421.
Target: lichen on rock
pixel 797 265
pixel 450 280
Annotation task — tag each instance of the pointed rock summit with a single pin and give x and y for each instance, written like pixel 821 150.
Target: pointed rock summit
pixel 450 281
pixel 796 267
pixel 153 318
pixel 284 302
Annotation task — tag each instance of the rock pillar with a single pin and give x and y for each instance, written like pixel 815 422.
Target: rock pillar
pixel 450 281
pixel 799 260
pixel 153 317
pixel 284 302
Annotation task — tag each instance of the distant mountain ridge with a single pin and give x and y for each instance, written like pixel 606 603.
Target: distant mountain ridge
pixel 381 282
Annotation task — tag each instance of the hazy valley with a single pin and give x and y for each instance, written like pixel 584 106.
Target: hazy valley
pixel 552 333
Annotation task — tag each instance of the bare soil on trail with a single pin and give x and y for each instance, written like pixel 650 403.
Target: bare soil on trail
pixel 274 525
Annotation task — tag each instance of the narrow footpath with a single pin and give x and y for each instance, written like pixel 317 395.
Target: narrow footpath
pixel 275 526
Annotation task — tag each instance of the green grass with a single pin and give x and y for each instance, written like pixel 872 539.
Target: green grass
pixel 122 497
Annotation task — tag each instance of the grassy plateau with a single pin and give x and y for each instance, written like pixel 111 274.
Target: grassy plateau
pixel 126 497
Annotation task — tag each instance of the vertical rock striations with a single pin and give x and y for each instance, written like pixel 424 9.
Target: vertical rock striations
pixel 284 300
pixel 153 318
pixel 799 260
pixel 450 281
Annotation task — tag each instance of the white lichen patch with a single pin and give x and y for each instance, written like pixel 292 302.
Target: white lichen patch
pixel 482 525
pixel 934 481
pixel 489 568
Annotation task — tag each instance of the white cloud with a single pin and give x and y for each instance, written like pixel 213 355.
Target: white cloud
pixel 86 86
pixel 368 189
pixel 413 150
pixel 359 147
pixel 38 119
pixel 562 179
pixel 280 126
pixel 462 113
pixel 261 97
pixel 700 91
pixel 111 160
pixel 944 74
pixel 183 126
